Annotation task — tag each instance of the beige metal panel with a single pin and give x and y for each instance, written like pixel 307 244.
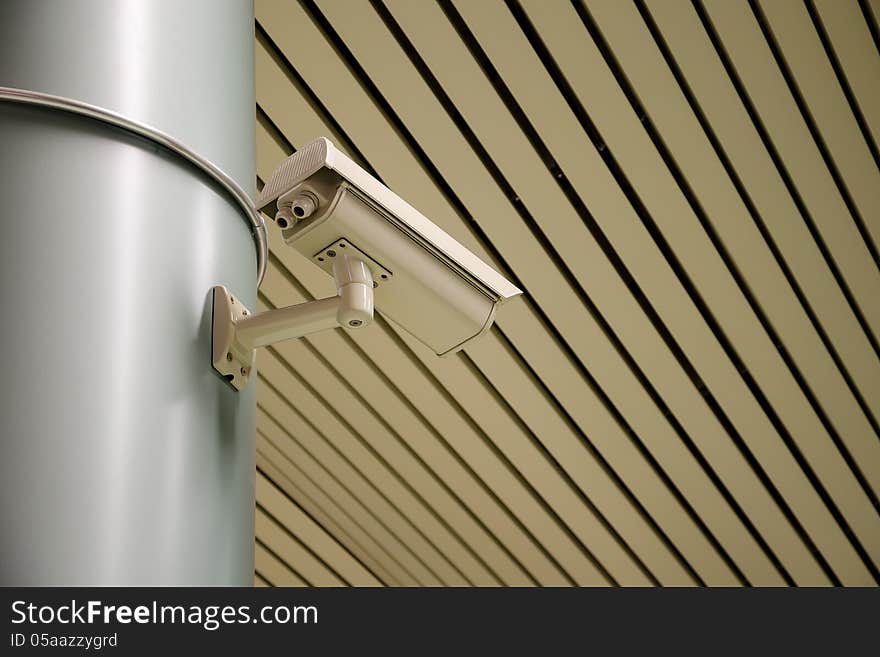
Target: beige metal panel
pixel 502 432
pixel 582 522
pixel 288 477
pixel 275 572
pixel 273 446
pixel 395 163
pixel 399 82
pixel 277 90
pixel 463 81
pixel 272 533
pixel 495 28
pixel 327 76
pixel 668 109
pixel 319 284
pixel 355 413
pixel 420 556
pixel 438 546
pixel 490 519
pixel 414 452
pixel 693 153
pixel 718 99
pixel 855 49
pixel 336 501
pixel 745 45
pixel 406 541
pixel 660 193
pixel 471 448
pixel 635 575
pixel 273 495
pixel 499 415
pixel 802 50
pixel 572 48
pixel 259 582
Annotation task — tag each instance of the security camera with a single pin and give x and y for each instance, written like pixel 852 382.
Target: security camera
pixel 381 251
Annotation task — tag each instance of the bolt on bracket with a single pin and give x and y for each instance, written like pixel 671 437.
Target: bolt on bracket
pixel 230 358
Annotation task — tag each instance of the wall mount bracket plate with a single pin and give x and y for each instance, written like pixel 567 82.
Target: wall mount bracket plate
pixel 233 361
pixel 325 257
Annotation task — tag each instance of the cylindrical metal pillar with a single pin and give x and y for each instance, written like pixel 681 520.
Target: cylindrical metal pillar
pixel 124 458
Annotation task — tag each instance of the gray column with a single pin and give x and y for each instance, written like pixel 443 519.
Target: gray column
pixel 124 459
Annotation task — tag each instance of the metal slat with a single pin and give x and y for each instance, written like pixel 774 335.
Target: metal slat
pixel 690 251
pixel 420 556
pixel 401 86
pixel 405 540
pixel 276 498
pixel 581 63
pixel 279 119
pixel 851 43
pixel 279 90
pixel 429 560
pixel 737 135
pixel 495 28
pixel 336 501
pixel 280 513
pixel 463 81
pixel 470 446
pixel 436 542
pixel 411 449
pixel 567 552
pixel 753 62
pixel 347 405
pixel 328 510
pixel 274 536
pixel 274 571
pixel 501 320
pixel 504 453
pixel 573 441
pixel 384 349
pixel 816 81
pixel 459 434
pixel 273 464
pixel 825 398
pixel 752 267
pixel 871 12
pixel 707 79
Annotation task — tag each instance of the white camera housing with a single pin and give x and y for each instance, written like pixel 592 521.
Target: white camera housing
pixel 427 282
pixel 329 209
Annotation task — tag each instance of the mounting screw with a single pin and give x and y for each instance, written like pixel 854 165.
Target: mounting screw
pixel 243 372
pixel 355 323
pixel 331 253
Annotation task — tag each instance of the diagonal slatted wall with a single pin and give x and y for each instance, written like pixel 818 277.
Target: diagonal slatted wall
pixel 689 391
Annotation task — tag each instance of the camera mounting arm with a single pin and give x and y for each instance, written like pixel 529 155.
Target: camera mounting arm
pixel 237 332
